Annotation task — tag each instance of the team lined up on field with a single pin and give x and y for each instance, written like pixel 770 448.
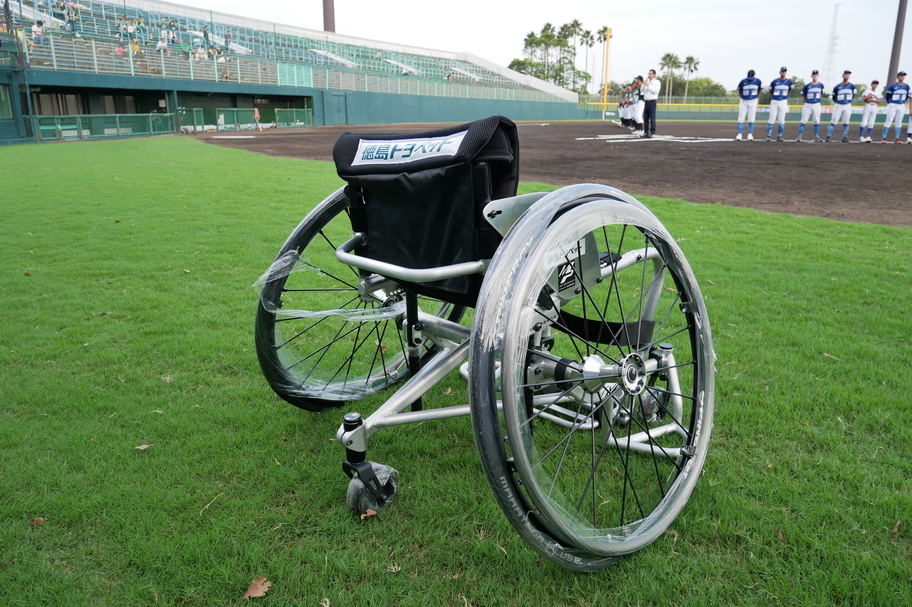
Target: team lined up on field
pixel 896 96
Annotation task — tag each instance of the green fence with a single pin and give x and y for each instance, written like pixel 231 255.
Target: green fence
pixel 100 126
pixel 190 120
pixel 290 118
pixel 236 119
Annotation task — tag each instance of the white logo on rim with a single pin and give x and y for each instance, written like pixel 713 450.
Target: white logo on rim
pixel 401 151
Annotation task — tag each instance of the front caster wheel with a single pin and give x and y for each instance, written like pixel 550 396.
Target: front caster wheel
pixel 371 492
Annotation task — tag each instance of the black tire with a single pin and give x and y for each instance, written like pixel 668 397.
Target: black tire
pixel 603 431
pixel 319 342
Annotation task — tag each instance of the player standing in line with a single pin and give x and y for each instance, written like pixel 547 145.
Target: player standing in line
pixel 779 105
pixel 623 104
pixel 812 93
pixel 639 106
pixel 843 93
pixel 749 90
pixel 871 98
pixel 897 94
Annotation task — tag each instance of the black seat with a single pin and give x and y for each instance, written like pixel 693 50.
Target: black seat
pixel 419 196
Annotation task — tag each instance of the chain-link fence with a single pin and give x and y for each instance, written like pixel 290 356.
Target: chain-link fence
pixel 100 126
pixel 291 118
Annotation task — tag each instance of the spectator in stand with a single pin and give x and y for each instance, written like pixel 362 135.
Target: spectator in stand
pixel 223 61
pixel 205 33
pixel 141 31
pixel 38 36
pixel 201 53
pixel 59 11
pixel 162 46
pixel 121 27
pixel 73 19
pixel 172 27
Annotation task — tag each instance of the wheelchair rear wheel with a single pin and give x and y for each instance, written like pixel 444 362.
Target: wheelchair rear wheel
pixel 602 365
pixel 322 339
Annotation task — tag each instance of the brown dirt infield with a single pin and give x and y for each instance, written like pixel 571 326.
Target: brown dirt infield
pixel 869 183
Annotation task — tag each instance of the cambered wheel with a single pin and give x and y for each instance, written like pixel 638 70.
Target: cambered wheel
pixel 320 340
pixel 602 362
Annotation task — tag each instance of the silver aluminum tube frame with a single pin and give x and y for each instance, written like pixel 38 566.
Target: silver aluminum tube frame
pixel 391 412
pixel 344 254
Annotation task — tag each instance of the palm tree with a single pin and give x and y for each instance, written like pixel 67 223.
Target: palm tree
pixel 587 40
pixel 563 35
pixel 577 28
pixel 603 36
pixel 547 40
pixel 691 64
pixel 670 62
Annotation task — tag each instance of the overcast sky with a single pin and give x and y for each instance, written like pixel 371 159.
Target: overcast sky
pixel 728 37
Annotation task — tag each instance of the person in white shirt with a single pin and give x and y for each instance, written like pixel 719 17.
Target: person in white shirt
pixel 650 90
pixel 38 36
pixel 871 98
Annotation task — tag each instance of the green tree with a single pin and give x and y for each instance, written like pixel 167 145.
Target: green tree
pixel 550 56
pixel 707 87
pixel 669 62
pixel 691 64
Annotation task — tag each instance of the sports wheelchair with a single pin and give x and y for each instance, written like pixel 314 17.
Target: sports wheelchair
pixel 588 353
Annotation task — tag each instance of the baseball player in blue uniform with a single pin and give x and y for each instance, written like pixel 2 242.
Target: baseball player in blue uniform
pixel 871 98
pixel 812 93
pixel 843 93
pixel 779 92
pixel 897 94
pixel 749 90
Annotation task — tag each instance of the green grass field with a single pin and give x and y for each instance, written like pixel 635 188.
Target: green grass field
pixel 126 319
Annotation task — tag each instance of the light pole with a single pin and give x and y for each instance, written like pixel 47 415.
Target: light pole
pixel 605 79
pixel 897 41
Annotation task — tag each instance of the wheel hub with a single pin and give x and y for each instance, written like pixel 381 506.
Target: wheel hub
pixel 633 374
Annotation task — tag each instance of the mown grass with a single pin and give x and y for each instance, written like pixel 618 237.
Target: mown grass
pixel 126 319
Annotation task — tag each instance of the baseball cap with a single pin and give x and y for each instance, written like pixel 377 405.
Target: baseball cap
pixel 815 72
pixel 875 82
pixel 901 74
pixel 750 73
pixel 783 69
pixel 847 72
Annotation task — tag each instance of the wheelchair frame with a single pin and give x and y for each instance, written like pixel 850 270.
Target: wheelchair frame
pixel 633 402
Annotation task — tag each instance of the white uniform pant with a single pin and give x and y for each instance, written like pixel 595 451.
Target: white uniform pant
pixel 778 109
pixel 842 112
pixel 895 114
pixel 638 108
pixel 869 115
pixel 810 110
pixel 747 109
pixel 623 112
